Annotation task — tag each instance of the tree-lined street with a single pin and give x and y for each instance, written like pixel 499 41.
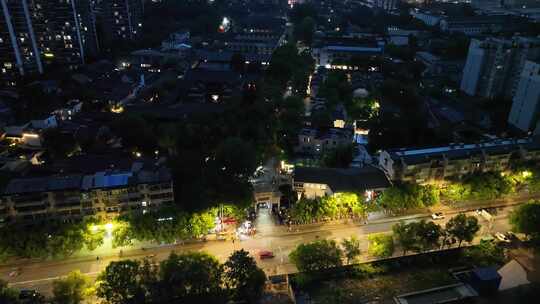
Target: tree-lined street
pixel 40 274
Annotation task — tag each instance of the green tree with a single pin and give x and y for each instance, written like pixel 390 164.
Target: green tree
pixel 340 157
pixel 59 145
pixel 192 276
pixel 122 235
pixel 351 248
pixel 7 294
pixel 66 240
pixel 316 256
pixel 428 234
pixel 201 223
pixel 236 157
pixel 462 228
pixel 244 280
pixel 401 197
pixel 120 283
pixel 93 234
pixel 430 195
pixel 72 289
pixel 304 30
pixel 489 185
pixel 526 219
pixel 167 138
pixel 485 254
pixel 405 235
pixel 380 245
pixel 142 140
pixel 363 108
pixel 456 191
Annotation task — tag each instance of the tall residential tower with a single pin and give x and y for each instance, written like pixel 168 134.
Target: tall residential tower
pixel 525 112
pixel 494 65
pixel 121 19
pixel 37 33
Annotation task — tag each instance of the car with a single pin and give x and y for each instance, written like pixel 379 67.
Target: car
pixel 26 294
pixel 501 237
pixel 478 211
pixel 437 216
pixel 487 239
pixel 511 236
pixel 266 254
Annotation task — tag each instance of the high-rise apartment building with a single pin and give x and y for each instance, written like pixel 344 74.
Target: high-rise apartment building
pixel 494 65
pixel 121 19
pixel 36 33
pixel 526 104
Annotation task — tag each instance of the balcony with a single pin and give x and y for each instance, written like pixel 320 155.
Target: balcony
pixel 32 209
pixel 68 205
pixel 161 196
pixel 29 198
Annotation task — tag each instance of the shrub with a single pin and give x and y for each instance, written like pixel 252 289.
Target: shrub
pixel 380 245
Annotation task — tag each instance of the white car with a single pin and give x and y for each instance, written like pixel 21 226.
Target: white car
pixel 437 216
pixel 501 237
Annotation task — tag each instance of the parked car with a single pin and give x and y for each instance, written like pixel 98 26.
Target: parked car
pixel 437 216
pixel 487 238
pixel 266 254
pixel 28 294
pixel 511 236
pixel 501 237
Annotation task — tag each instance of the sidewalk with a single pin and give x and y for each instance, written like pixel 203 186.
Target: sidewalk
pixel 448 210
pixel 280 230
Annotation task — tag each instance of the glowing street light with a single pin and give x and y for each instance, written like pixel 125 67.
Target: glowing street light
pixel 526 174
pixel 109 227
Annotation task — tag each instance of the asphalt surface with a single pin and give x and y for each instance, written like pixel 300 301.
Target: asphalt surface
pixel 39 275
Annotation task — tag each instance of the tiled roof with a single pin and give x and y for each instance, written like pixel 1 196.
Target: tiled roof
pixel 340 180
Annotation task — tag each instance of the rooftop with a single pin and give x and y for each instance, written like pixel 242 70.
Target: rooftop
pixel 457 151
pixel 43 184
pixel 341 180
pixel 140 172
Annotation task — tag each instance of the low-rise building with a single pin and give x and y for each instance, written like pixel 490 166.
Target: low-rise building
pixel 427 17
pixel 332 51
pixel 211 86
pixel 476 25
pixel 104 193
pixel 318 182
pixel 456 160
pixel 263 44
pixel 314 142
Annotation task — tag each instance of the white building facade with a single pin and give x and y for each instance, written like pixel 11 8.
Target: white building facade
pixel 526 103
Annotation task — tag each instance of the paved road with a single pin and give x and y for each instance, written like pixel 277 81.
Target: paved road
pixel 39 275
